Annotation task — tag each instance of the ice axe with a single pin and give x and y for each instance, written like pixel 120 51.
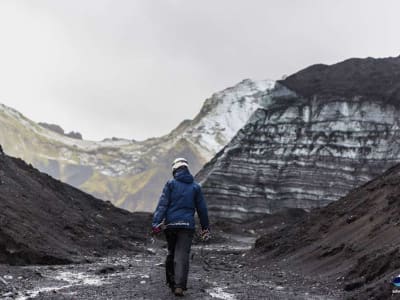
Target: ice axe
pixel 156 230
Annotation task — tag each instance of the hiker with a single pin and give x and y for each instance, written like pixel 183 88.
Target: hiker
pixel 179 200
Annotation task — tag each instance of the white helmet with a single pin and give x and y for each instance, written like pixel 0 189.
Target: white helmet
pixel 179 162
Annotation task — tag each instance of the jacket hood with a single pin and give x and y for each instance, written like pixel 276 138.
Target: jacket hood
pixel 184 176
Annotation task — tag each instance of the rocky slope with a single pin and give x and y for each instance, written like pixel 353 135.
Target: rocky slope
pixel 353 241
pixel 127 172
pixel 321 132
pixel 58 129
pixel 44 221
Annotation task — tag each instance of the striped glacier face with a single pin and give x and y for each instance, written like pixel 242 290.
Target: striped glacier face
pixel 301 152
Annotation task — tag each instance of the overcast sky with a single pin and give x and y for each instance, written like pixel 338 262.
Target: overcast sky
pixel 137 68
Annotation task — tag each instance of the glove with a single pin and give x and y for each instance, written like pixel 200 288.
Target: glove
pixel 205 235
pixel 156 230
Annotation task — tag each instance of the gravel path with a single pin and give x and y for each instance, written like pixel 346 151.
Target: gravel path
pixel 217 272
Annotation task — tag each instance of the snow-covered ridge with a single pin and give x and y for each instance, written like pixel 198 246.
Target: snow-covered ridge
pixel 227 112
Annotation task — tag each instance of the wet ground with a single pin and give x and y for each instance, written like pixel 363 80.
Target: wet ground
pixel 218 271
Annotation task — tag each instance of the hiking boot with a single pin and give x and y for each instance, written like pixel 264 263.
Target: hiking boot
pixel 178 292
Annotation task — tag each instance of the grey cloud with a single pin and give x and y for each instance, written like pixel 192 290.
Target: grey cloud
pixel 135 69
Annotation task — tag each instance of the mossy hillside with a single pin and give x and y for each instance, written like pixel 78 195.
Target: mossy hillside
pixel 116 189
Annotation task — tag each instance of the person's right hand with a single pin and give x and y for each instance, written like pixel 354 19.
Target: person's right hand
pixel 156 230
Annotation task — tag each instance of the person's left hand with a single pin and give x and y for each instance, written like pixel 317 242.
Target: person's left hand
pixel 156 230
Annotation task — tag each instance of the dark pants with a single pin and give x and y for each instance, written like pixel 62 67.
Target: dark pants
pixel 177 264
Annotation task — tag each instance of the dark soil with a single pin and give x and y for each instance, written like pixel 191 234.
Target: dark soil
pixel 44 221
pixel 353 242
pixel 371 78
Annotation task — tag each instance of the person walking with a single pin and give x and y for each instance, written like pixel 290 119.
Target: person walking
pixel 180 199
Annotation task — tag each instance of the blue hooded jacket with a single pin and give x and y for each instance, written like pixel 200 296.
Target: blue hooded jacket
pixel 180 198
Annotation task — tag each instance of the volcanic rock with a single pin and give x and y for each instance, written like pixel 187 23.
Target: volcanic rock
pixel 58 129
pixel 74 135
pixel 370 78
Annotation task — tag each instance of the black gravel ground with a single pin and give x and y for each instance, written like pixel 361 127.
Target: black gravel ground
pixel 218 271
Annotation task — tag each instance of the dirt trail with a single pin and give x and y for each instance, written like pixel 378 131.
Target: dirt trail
pixel 217 272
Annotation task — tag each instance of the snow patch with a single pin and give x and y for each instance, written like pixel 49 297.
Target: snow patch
pixel 219 293
pixel 72 279
pixel 79 278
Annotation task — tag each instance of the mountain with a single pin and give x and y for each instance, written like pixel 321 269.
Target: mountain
pixel 320 133
pixel 131 173
pixel 353 241
pixel 44 221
